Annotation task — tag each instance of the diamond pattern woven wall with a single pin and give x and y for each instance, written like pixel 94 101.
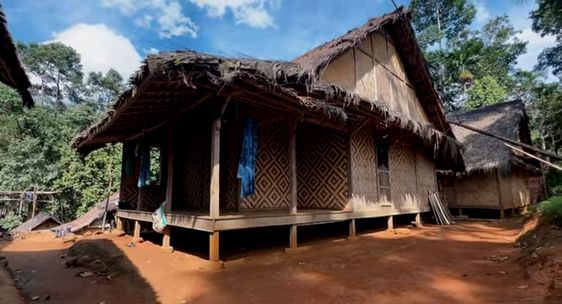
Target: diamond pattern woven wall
pixel 272 169
pixel 363 168
pixel 322 168
pixel 403 185
pixel 231 144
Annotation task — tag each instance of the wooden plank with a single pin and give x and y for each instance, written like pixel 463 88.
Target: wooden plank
pixel 214 246
pixel 170 171
pixel 293 240
pixel 214 207
pixel 293 164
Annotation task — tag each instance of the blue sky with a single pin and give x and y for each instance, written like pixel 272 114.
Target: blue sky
pixel 119 33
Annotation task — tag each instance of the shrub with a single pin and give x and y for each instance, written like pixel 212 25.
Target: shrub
pixel 551 210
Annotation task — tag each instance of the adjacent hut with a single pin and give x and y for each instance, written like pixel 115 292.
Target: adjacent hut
pixel 42 221
pixel 352 129
pixel 496 176
pixel 11 70
pixel 93 219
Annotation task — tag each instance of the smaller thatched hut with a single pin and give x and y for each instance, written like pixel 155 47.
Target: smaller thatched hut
pixel 496 177
pixel 11 70
pixel 42 221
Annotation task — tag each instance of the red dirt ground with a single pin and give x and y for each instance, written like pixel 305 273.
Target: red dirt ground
pixel 470 262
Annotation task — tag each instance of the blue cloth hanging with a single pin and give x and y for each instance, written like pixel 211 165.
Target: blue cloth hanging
pixel 144 173
pixel 247 164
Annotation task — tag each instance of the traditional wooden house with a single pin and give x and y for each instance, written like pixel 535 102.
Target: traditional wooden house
pixel 11 70
pixel 42 221
pixel 352 129
pixel 496 177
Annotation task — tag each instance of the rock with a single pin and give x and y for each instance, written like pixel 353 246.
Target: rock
pixel 35 298
pixel 97 266
pixel 86 274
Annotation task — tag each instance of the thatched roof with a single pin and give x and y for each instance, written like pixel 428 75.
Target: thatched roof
pixel 94 214
pixel 11 70
pixel 169 82
pixel 34 222
pixel 484 153
pixel 396 26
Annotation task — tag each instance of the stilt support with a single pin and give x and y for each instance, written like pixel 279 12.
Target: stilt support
pixel 136 232
pixel 166 240
pixel 502 213
pixel 390 224
pixel 119 224
pixel 293 243
pixel 418 221
pixel 214 246
pixel 352 232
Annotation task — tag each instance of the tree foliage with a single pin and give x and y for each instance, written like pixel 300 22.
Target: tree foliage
pixel 35 150
pixel 484 92
pixel 547 20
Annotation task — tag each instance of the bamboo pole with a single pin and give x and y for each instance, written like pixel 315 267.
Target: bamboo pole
pixel 532 156
pixel 513 142
pixel 110 184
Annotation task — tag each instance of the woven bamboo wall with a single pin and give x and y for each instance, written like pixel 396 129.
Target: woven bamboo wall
pixel 363 169
pixel 403 180
pixel 520 195
pixel 322 168
pixel 426 178
pixel 192 167
pixel 272 169
pixel 477 190
pixel 375 71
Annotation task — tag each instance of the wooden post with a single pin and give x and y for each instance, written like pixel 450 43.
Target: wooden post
pixel 500 196
pixel 293 164
pixel 34 205
pixel 170 171
pixel 390 224
pixel 119 224
pixel 166 240
pixel 418 220
pixel 214 204
pixel 22 199
pixel 136 232
pixel 352 232
pixel 293 241
pixel 214 246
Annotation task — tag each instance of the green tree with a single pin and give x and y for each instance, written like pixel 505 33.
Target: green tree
pixel 547 20
pixel 484 92
pixel 58 69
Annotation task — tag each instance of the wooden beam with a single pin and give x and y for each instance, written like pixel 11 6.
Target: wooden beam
pixel 513 142
pixel 293 164
pixel 293 240
pixel 214 246
pixel 174 117
pixel 170 171
pixel 214 203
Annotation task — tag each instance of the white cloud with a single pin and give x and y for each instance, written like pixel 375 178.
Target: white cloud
pixel 151 51
pixel 100 48
pixel 250 12
pixel 519 17
pixel 482 12
pixel 535 45
pixel 168 15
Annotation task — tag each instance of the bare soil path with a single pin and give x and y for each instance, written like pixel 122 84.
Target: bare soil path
pixel 470 262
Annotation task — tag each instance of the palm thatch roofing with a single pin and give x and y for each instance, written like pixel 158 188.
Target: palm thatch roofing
pixel 34 222
pixel 94 214
pixel 484 153
pixel 11 70
pixel 169 82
